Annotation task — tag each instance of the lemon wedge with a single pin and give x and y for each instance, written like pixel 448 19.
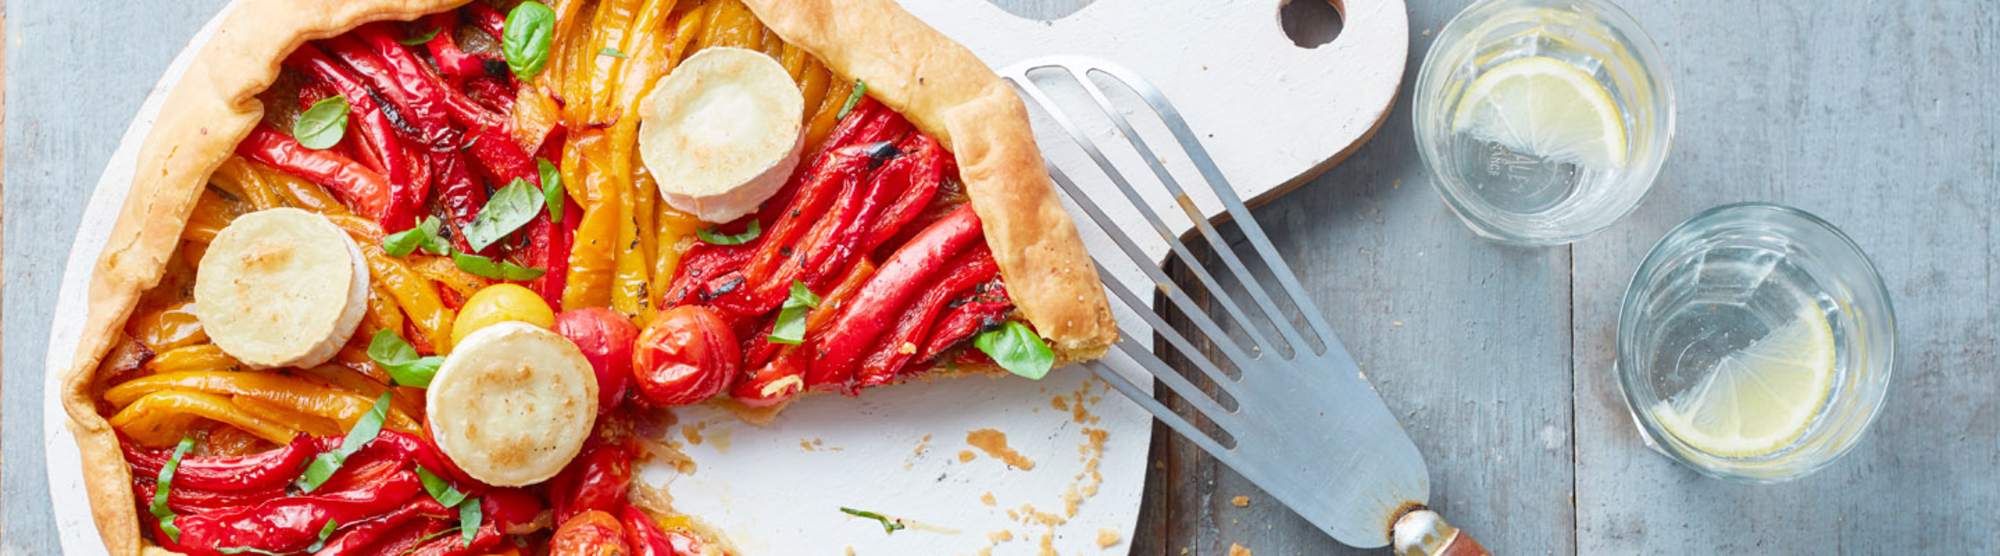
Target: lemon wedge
pixel 1760 399
pixel 1546 107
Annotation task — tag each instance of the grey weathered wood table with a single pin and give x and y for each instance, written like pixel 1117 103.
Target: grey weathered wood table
pixel 1882 118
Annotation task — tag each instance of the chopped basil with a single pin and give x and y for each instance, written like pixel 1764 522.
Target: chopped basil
pixel 711 236
pixel 1018 349
pixel 427 538
pixel 860 88
pixel 324 532
pixel 530 29
pixel 612 52
pixel 439 488
pixel 552 189
pixel 405 366
pixel 247 550
pixel 166 483
pixel 364 431
pixel 510 208
pixel 322 125
pixel 424 235
pixel 497 270
pixel 420 39
pixel 791 325
pixel 468 518
pixel 889 525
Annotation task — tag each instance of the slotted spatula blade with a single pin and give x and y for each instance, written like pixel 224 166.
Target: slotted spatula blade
pixel 1288 408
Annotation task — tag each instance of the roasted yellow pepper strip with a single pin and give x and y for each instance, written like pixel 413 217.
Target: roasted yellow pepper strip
pixel 166 328
pixel 676 235
pixel 211 214
pixel 730 23
pixel 298 192
pixel 447 274
pixel 198 357
pixel 237 174
pixel 837 91
pixel 415 294
pixel 686 29
pixel 534 115
pixel 304 422
pixel 593 253
pixel 408 400
pixel 628 293
pixel 160 418
pixel 813 84
pixel 382 310
pixel 291 393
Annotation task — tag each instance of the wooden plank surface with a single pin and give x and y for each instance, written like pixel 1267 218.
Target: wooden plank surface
pixel 1883 120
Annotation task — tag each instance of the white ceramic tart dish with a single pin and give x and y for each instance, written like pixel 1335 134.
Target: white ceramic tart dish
pixel 483 160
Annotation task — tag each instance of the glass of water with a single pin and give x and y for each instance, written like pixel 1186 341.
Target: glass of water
pixel 1755 343
pixel 1543 121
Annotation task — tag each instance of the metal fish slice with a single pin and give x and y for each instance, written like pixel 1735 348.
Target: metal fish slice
pixel 1288 407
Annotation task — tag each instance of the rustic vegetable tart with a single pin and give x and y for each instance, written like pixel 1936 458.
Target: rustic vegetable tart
pixel 422 276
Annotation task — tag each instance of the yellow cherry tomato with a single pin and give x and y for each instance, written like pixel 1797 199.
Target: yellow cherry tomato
pixel 501 303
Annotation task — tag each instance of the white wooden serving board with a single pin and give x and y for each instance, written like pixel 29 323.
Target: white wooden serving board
pixel 1273 115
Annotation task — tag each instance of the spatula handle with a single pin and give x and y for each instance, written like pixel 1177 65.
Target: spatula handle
pixel 1423 532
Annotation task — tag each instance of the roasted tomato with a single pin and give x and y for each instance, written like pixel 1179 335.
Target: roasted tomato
pixel 595 480
pixel 500 303
pixel 687 355
pixel 606 338
pixel 592 533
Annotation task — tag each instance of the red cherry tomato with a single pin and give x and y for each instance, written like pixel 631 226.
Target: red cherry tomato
pixel 592 533
pixel 595 480
pixel 606 337
pixel 773 383
pixel 687 355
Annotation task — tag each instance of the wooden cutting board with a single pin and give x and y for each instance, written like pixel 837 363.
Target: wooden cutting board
pixel 1272 113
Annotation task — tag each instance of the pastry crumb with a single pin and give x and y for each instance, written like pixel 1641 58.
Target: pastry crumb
pixel 850 551
pixel 988 499
pixel 1107 538
pixel 994 443
pixel 1059 403
pixel 965 456
pixel 1000 536
pixel 1240 501
pixel 1238 550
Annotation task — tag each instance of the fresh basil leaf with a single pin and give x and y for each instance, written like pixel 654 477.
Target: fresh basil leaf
pixel 612 52
pixel 468 518
pixel 247 550
pixel 439 488
pixel 510 208
pixel 860 88
pixel 748 235
pixel 1018 349
pixel 530 29
pixel 889 524
pixel 364 431
pixel 790 327
pixel 324 532
pixel 427 538
pixel 322 125
pixel 420 39
pixel 165 483
pixel 424 235
pixel 497 270
pixel 404 364
pixel 552 188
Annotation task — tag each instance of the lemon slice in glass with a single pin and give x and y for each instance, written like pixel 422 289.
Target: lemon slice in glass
pixel 1760 399
pixel 1545 107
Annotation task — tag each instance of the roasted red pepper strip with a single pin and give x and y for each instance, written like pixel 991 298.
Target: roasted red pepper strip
pixel 868 122
pixel 357 536
pixel 512 511
pixel 548 248
pixel 289 523
pixel 927 161
pixel 500 159
pixel 492 94
pixel 964 322
pixel 377 133
pixel 858 220
pixel 887 294
pixel 363 190
pixel 403 539
pixel 704 268
pixel 272 468
pixel 784 245
pixel 896 349
pixel 454 544
pixel 595 480
pixel 401 78
pixel 452 60
pixel 438 98
pixel 462 195
pixel 487 19
pixel 190 500
pixel 778 379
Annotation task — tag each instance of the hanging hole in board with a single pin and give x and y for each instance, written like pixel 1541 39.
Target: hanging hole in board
pixel 1311 23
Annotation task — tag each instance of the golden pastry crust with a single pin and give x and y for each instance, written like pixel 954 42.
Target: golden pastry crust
pixel 937 84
